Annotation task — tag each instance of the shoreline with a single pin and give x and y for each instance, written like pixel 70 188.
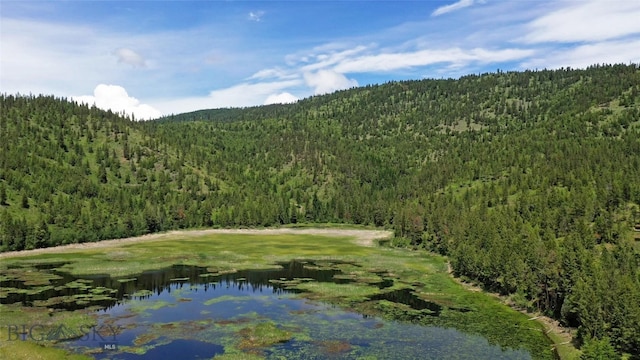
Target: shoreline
pixel 563 335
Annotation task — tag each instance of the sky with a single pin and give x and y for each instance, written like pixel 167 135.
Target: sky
pixel 153 58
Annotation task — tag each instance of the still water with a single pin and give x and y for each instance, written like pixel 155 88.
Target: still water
pixel 188 313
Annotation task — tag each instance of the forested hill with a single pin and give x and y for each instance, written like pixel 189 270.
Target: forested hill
pixel 528 181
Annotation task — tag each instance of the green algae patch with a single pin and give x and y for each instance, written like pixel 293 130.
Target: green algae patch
pixel 41 326
pixel 334 348
pixel 207 275
pixel 329 291
pixel 78 284
pixel 30 276
pixel 224 298
pixel 141 293
pixel 71 300
pixel 137 350
pixel 101 290
pixel 144 339
pixel 262 335
pixel 27 350
pixel 143 306
pixel 238 356
pixel 4 292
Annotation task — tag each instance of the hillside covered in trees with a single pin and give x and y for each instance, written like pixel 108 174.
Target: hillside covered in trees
pixel 529 181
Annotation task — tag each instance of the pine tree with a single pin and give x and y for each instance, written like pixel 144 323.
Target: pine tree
pixel 25 201
pixel 3 195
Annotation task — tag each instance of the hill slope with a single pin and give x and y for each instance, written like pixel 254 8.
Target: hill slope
pixel 527 180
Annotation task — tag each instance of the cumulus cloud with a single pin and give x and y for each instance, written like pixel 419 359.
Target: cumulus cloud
pixel 282 98
pixel 452 7
pixel 116 99
pixel 326 81
pixel 130 57
pixel 586 21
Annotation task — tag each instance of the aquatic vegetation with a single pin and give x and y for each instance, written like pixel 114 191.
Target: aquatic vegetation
pixel 141 293
pixel 334 347
pixel 262 335
pixel 125 280
pixel 328 299
pixel 27 276
pixel 145 338
pixel 238 356
pixel 25 350
pixel 143 306
pixel 219 299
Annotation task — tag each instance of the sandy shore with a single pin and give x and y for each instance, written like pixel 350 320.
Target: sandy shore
pixel 362 237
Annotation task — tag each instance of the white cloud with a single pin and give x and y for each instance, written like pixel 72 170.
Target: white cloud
pixel 247 94
pixel 282 98
pixel 51 58
pixel 326 81
pixel 130 57
pixel 241 95
pixel 256 15
pixel 116 99
pixel 402 60
pixel 586 21
pixel 452 7
pixel 609 52
pixel 322 60
pixel 54 57
pixel 275 73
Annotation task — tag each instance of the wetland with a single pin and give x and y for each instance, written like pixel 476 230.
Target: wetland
pixel 293 295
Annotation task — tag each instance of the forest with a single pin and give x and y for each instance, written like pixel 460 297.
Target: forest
pixel 528 181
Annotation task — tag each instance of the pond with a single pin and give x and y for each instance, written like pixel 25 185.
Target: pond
pixel 190 312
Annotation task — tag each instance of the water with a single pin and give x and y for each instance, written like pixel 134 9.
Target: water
pixel 186 312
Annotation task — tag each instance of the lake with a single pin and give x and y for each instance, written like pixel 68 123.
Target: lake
pixel 190 312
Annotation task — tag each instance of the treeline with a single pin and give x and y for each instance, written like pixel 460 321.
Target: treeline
pixel 528 181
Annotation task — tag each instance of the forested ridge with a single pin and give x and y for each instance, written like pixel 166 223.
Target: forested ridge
pixel 529 181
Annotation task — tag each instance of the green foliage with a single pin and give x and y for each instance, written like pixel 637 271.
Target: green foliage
pixel 599 350
pixel 526 180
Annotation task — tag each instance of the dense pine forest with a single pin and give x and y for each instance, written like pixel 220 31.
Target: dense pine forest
pixel 529 181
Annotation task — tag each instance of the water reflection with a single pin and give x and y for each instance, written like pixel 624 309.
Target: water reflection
pixel 222 319
pixel 61 285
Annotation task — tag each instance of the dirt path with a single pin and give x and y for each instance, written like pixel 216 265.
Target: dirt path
pixel 362 237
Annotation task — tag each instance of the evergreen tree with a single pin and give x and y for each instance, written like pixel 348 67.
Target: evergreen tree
pixel 3 195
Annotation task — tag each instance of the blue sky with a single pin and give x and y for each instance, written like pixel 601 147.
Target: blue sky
pixel 161 57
